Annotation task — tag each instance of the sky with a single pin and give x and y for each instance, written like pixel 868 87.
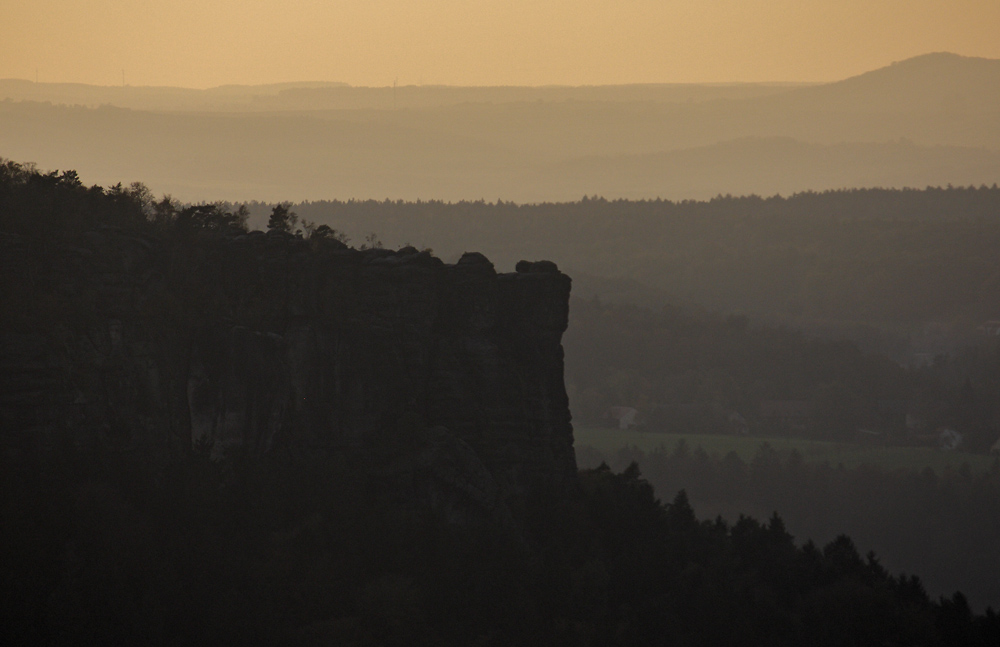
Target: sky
pixel 205 43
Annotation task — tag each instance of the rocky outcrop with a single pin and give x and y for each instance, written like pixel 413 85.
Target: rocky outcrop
pixel 267 341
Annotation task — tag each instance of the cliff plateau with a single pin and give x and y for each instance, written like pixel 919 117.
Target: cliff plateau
pixel 266 342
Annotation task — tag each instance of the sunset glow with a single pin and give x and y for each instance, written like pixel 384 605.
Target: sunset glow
pixel 203 43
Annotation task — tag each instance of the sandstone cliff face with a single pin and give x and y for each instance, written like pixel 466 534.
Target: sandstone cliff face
pixel 266 341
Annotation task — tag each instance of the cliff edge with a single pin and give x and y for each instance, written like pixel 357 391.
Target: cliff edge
pixel 266 342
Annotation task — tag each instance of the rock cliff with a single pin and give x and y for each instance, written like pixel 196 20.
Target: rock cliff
pixel 267 342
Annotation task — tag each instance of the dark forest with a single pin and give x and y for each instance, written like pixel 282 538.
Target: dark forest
pixel 414 531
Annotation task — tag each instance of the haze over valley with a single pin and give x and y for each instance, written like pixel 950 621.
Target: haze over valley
pixel 929 121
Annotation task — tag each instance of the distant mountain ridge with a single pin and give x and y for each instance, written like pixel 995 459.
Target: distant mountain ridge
pixel 935 81
pixel 292 96
pixel 773 165
pixel 927 121
pixel 940 81
pixel 226 97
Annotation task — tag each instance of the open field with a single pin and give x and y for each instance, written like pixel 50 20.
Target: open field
pixel 850 455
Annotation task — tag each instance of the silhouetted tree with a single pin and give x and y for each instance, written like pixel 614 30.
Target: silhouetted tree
pixel 282 218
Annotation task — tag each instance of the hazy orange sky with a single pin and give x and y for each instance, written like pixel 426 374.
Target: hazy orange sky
pixel 202 43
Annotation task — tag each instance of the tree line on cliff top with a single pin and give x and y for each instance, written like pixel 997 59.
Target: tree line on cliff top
pixel 884 256
pixel 859 255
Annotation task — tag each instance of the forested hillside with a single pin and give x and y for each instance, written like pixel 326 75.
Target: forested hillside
pixel 688 373
pixel 375 542
pixel 942 524
pixel 898 258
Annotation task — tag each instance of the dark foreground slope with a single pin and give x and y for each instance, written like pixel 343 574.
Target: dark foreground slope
pixel 214 436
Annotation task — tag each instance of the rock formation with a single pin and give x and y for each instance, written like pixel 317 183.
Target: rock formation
pixel 267 342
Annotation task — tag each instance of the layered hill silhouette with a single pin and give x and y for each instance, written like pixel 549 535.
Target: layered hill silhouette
pixel 224 97
pixel 340 96
pixel 318 141
pixel 778 165
pixel 938 82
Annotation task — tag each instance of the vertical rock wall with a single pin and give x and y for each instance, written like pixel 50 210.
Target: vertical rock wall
pixel 265 341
